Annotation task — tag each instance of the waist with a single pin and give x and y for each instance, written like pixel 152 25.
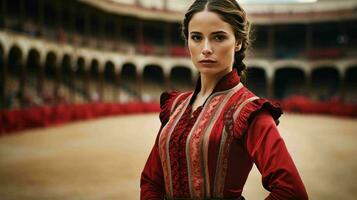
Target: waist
pixel 237 198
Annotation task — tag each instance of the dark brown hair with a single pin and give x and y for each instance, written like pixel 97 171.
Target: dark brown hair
pixel 231 12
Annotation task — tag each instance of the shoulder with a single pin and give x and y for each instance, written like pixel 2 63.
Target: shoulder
pixel 169 101
pixel 252 107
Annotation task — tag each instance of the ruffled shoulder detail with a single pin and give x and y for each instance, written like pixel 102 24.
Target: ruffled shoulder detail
pixel 249 111
pixel 166 101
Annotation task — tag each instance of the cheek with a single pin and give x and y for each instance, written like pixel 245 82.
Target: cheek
pixel 226 55
pixel 192 49
pixel 227 51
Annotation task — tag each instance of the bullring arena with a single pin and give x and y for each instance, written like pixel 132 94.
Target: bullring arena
pixel 103 158
pixel 79 94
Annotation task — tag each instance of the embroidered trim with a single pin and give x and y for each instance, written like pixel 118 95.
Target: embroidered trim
pixel 226 141
pixel 205 142
pixel 197 173
pixel 164 141
pixel 235 115
pixel 173 106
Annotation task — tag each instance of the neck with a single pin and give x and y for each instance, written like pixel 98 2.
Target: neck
pixel 208 83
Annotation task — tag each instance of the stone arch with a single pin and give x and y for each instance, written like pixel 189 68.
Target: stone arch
pixel 65 91
pixel 14 60
pixel 154 81
pixel 16 78
pixel 95 91
pixel 257 81
pixel 181 78
pixel 33 61
pixel 128 82
pixel 325 82
pixel 50 85
pixel 289 81
pixel 350 84
pixel 34 74
pixel 94 68
pixel 109 72
pixel 110 82
pixel 298 64
pixel 80 80
pixel 263 64
pixel 50 64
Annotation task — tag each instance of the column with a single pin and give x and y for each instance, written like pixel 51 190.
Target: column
pixel 41 76
pixel 22 81
pixel 57 79
pixel 118 85
pixel 342 88
pixel 167 82
pixel 270 88
pixel 86 80
pixel 140 81
pixel 308 84
pixel 100 82
pixel 70 82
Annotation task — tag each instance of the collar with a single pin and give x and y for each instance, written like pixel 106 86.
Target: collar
pixel 227 82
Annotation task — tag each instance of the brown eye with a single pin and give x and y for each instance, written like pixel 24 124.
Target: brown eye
pixel 219 38
pixel 196 38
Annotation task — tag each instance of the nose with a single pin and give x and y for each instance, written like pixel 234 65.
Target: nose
pixel 207 49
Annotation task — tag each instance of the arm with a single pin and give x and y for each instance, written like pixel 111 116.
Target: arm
pixel 152 181
pixel 268 150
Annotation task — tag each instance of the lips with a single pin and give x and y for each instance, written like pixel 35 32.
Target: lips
pixel 207 61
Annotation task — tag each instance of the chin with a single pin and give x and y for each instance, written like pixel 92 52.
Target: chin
pixel 211 71
pixel 205 70
pixel 208 72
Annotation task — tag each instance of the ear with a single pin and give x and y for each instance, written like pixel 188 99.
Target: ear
pixel 238 45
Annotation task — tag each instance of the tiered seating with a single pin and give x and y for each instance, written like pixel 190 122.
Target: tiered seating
pixel 151 91
pixel 110 92
pixel 181 86
pixel 179 51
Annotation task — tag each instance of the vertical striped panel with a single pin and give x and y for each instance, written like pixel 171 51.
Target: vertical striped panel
pixel 226 140
pixel 196 163
pixel 207 133
pixel 164 141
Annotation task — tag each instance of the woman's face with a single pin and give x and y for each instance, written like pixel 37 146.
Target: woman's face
pixel 212 43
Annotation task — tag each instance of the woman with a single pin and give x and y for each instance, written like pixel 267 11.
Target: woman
pixel 210 138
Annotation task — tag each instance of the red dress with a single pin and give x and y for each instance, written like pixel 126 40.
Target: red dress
pixel 210 153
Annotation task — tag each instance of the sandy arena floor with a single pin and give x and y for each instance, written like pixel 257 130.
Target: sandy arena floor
pixel 103 159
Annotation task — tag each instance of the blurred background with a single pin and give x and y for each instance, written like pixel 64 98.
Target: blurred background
pixel 131 50
pixel 68 60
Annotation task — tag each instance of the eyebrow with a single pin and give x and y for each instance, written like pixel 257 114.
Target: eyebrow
pixel 214 33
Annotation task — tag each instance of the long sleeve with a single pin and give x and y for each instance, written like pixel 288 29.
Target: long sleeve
pixel 152 181
pixel 269 152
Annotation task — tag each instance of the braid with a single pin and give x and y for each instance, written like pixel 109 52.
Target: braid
pixel 240 55
pixel 239 64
